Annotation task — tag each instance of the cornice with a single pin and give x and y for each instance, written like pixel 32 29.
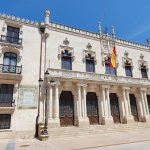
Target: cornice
pixel 75 31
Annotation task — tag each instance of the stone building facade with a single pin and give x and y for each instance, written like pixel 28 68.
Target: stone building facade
pixel 79 87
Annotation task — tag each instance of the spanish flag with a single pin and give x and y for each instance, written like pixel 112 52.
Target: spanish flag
pixel 113 59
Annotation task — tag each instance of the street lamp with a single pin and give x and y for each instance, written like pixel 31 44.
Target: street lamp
pixel 37 118
pixel 46 108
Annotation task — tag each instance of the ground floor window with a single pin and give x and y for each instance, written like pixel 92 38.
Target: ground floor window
pixel 6 95
pixel 5 120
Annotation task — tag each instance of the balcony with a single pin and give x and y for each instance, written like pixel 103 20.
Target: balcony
pixel 7 107
pixel 96 78
pixel 12 40
pixel 10 69
pixel 10 74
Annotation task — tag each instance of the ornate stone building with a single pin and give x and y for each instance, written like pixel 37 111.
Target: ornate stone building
pixel 79 86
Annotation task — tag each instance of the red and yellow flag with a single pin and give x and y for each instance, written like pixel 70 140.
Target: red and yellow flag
pixel 113 59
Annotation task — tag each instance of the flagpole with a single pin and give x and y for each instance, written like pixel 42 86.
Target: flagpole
pixel 100 35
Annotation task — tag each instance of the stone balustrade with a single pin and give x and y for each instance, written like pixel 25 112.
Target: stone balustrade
pixel 115 80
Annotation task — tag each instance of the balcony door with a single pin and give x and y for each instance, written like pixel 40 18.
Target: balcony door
pixel 133 106
pixel 13 35
pixel 9 62
pixel 66 108
pixel 114 106
pixel 92 108
pixel 6 95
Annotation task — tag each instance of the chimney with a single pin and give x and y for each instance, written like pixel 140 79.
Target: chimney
pixel 148 41
pixel 47 14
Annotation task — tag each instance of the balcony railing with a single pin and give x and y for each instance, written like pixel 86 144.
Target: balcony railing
pixel 98 78
pixel 7 103
pixel 10 69
pixel 12 40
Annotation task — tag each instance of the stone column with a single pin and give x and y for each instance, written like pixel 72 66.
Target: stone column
pixel 84 101
pixel 146 116
pixel 128 116
pixel 107 118
pixel 50 102
pixel 79 104
pixel 139 98
pixel 55 122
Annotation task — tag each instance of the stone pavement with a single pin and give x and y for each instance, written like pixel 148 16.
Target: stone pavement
pixel 91 142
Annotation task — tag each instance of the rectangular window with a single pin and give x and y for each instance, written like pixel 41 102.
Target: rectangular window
pixel 90 66
pixel 5 120
pixel 144 73
pixel 66 63
pixel 13 34
pixel 6 95
pixel 128 71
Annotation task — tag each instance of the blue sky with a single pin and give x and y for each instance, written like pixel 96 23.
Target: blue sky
pixel 131 18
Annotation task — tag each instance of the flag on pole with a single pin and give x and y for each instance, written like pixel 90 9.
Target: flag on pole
pixel 113 58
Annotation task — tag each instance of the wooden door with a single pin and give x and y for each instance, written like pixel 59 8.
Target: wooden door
pixel 133 106
pixel 92 108
pixel 148 101
pixel 114 107
pixel 66 109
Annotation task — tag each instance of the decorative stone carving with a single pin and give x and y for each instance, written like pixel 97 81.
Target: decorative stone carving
pixel 142 62
pixel 88 52
pixel 126 59
pixel 64 47
pixel 14 49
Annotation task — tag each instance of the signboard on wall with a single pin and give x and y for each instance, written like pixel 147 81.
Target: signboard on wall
pixel 28 97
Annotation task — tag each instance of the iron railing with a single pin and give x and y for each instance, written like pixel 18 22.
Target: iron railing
pixel 8 103
pixel 9 39
pixel 10 69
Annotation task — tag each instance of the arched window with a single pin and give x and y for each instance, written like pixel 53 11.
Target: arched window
pixel 90 64
pixel 66 60
pixel 144 71
pixel 128 69
pixel 9 62
pixel 108 69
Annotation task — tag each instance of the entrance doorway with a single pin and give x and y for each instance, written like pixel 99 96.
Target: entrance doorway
pixel 133 106
pixel 92 108
pixel 66 109
pixel 114 106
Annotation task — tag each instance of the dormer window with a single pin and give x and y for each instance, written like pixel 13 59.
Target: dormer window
pixel 144 71
pixel 128 69
pixel 90 64
pixel 66 60
pixel 108 69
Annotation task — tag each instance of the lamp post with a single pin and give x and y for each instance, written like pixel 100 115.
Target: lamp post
pixel 42 30
pixel 46 108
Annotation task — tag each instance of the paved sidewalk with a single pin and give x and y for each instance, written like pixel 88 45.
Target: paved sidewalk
pixel 77 143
